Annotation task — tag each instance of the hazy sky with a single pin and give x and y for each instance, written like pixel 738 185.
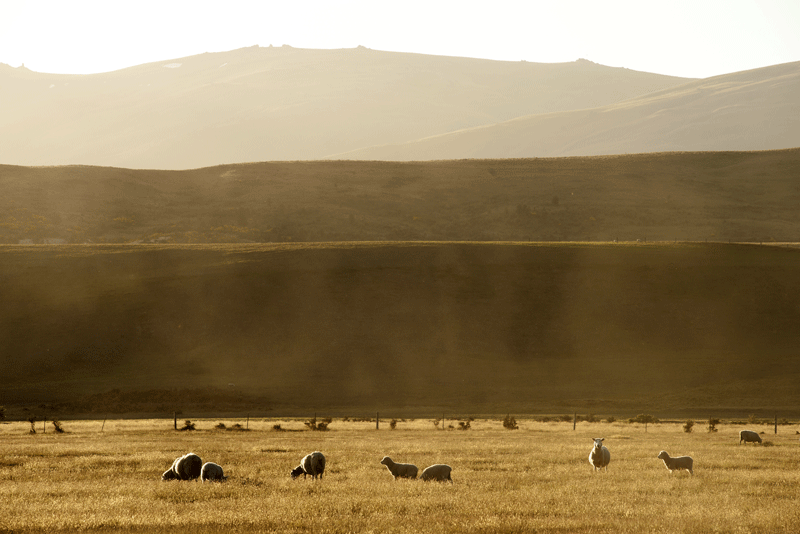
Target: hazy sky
pixel 693 38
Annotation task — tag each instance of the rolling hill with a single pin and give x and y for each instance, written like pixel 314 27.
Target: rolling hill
pixel 282 103
pixel 714 196
pixel 751 110
pixel 404 327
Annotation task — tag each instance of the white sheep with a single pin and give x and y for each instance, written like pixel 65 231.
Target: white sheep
pixel 438 472
pixel 312 464
pixel 749 436
pixel 681 462
pixel 212 472
pixel 400 470
pixel 186 467
pixel 599 457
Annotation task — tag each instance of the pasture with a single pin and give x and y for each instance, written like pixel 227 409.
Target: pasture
pixel 535 479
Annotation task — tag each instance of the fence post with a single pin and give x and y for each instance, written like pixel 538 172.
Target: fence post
pixel 175 420
pixel 776 423
pixel 247 426
pixel 574 420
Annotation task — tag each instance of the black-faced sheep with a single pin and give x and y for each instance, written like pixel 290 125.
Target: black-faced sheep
pixel 186 467
pixel 212 472
pixel 400 470
pixel 438 472
pixel 748 436
pixel 673 464
pixel 599 457
pixel 312 464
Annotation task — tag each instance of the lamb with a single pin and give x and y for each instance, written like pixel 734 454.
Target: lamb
pixel 400 470
pixel 599 457
pixel 312 464
pixel 438 472
pixel 681 462
pixel 212 472
pixel 749 436
pixel 186 467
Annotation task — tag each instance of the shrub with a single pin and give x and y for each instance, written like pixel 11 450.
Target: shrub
pixel 220 426
pixel 393 424
pixel 712 424
pixel 57 426
pixel 687 426
pixel 591 418
pixel 276 427
pixel 188 425
pixel 610 419
pixel 436 423
pixel 510 423
pixel 322 426
pixel 463 425
pixel 32 421
pixel 644 418
pixel 566 418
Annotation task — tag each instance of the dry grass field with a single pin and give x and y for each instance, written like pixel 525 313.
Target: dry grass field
pixel 535 479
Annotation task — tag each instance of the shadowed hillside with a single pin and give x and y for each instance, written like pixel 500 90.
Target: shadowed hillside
pixel 751 110
pixel 472 327
pixel 282 103
pixel 745 196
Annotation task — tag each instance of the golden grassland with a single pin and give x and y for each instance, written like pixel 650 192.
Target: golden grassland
pixel 104 476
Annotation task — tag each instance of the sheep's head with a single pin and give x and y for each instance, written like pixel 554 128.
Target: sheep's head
pixel 297 471
pixel 598 443
pixel 386 460
pixel 169 474
pixel 662 455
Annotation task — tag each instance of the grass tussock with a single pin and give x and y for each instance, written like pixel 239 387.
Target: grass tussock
pixel 535 479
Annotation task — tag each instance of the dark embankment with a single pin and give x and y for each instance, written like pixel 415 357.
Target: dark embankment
pixel 465 327
pixel 714 196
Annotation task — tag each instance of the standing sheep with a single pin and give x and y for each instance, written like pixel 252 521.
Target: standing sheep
pixel 438 472
pixel 599 457
pixel 749 436
pixel 312 464
pixel 681 462
pixel 400 470
pixel 186 467
pixel 212 472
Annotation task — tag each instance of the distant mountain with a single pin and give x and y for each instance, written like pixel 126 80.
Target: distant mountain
pixel 270 103
pixel 751 110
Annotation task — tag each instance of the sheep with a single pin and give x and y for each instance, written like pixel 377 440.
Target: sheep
pixel 599 457
pixel 681 462
pixel 400 470
pixel 748 436
pixel 312 464
pixel 438 472
pixel 212 472
pixel 186 467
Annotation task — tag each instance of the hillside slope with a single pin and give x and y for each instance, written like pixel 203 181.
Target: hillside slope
pixel 269 103
pixel 750 110
pixel 740 196
pixel 471 327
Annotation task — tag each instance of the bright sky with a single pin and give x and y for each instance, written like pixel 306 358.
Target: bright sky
pixel 692 38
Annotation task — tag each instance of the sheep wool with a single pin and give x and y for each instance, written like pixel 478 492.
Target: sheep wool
pixel 312 464
pixel 679 463
pixel 599 456
pixel 400 470
pixel 749 436
pixel 212 472
pixel 438 472
pixel 186 467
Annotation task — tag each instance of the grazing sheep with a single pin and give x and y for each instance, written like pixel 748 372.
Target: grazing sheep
pixel 599 457
pixel 749 436
pixel 312 464
pixel 681 462
pixel 186 467
pixel 438 472
pixel 212 472
pixel 400 470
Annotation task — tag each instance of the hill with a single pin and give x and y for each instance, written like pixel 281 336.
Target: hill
pixel 482 328
pixel 282 103
pixel 750 110
pixel 715 196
